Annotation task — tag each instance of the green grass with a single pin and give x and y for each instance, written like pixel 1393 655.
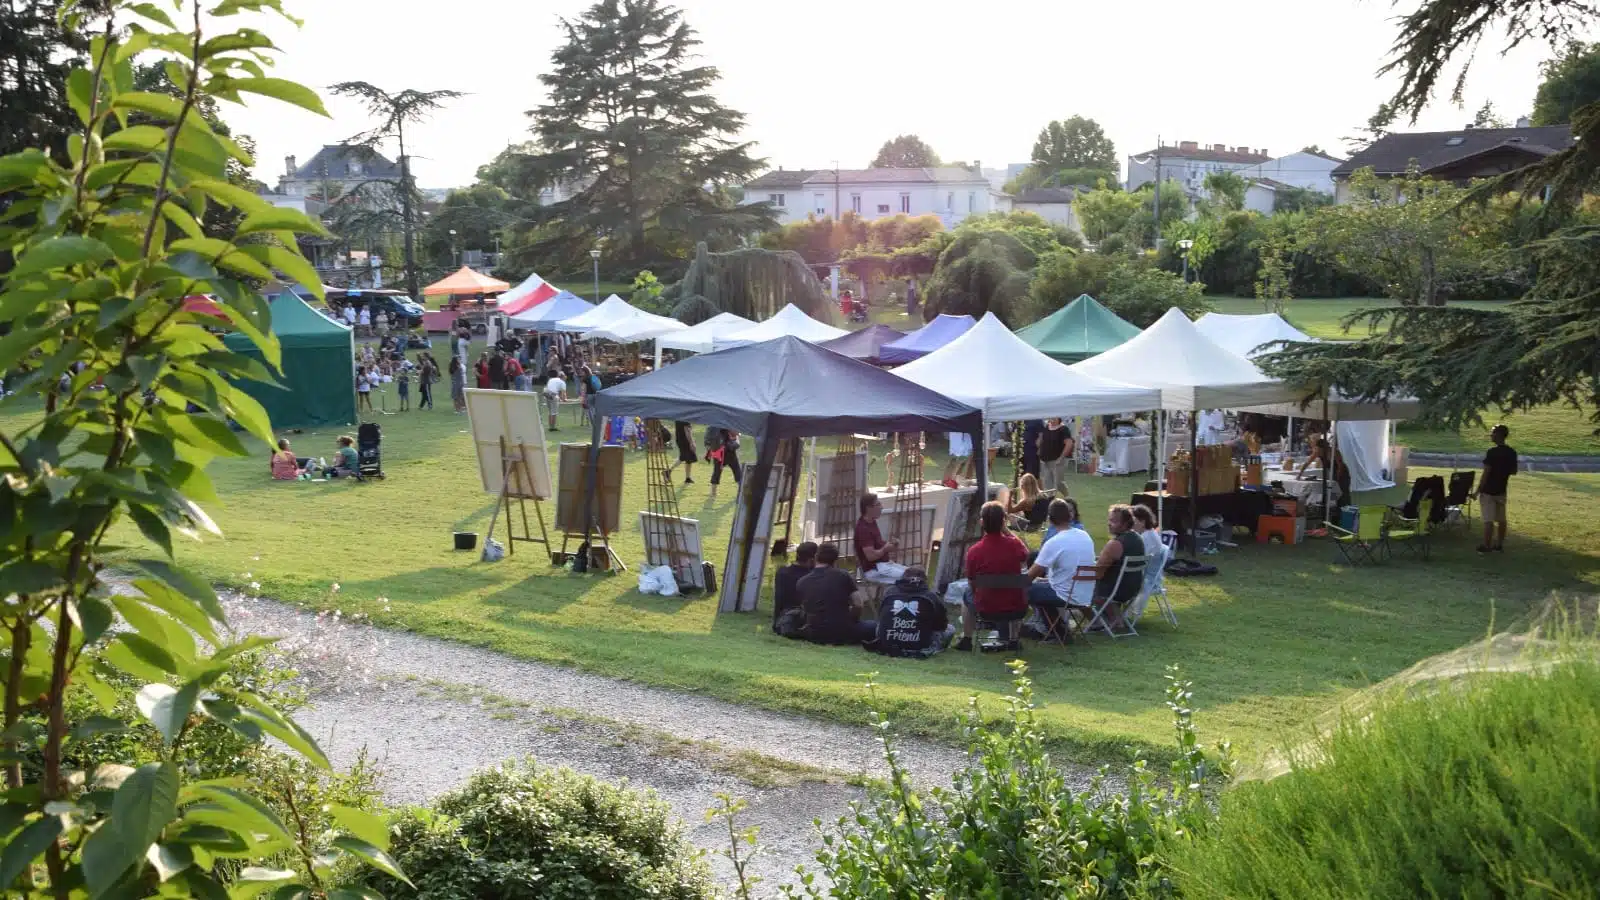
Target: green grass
pixel 1322 317
pixel 585 289
pixel 1273 641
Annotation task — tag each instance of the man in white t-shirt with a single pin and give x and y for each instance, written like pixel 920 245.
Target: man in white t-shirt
pixel 554 389
pixel 1059 560
pixel 350 315
pixel 365 320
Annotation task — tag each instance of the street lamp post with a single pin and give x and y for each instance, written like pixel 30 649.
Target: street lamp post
pixel 1184 245
pixel 595 255
pixel 454 253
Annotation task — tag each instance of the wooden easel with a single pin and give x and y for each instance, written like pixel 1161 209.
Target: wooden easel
pixel 514 472
pixel 603 542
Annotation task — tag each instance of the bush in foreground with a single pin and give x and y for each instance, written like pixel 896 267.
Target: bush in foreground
pixel 1490 788
pixel 1010 826
pixel 519 832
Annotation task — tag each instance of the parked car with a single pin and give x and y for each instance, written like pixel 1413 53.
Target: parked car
pixel 402 310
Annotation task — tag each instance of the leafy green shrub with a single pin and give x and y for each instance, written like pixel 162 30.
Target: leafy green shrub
pixel 1488 789
pixel 1140 293
pixel 518 831
pixel 1010 826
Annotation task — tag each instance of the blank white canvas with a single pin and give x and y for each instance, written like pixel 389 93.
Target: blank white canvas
pixel 515 416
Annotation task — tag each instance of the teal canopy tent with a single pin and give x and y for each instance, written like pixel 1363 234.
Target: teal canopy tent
pixel 1077 331
pixel 318 367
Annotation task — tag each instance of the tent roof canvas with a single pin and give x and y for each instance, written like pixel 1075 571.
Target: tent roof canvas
pixel 864 344
pixel 1079 330
pixel 609 310
pixel 1191 370
pixel 994 370
pixel 789 321
pixel 544 317
pixel 928 338
pixel 297 325
pixel 700 338
pixel 637 326
pixel 784 388
pixel 530 293
pixel 1246 335
pixel 465 281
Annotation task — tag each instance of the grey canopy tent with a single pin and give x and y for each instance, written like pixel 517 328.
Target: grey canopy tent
pixel 783 388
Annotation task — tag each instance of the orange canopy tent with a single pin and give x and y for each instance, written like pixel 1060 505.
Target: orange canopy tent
pixel 465 281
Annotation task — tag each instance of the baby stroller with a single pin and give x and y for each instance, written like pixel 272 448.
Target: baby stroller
pixel 369 450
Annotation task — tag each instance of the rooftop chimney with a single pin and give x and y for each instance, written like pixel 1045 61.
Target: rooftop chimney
pixel 1188 145
pixel 1263 152
pixel 1220 148
pixel 1524 122
pixel 288 166
pixel 977 166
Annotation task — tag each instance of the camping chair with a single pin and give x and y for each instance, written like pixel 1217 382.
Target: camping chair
pixel 1132 567
pixel 1458 496
pixel 1010 622
pixel 1060 622
pixel 1368 542
pixel 1413 534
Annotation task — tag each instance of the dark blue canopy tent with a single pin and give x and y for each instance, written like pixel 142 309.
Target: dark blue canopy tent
pixel 926 339
pixel 864 344
pixel 783 388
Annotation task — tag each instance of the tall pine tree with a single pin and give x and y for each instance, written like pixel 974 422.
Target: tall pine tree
pixel 36 53
pixel 632 131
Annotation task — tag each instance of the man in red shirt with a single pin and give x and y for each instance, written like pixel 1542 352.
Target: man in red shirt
pixel 998 552
pixel 874 555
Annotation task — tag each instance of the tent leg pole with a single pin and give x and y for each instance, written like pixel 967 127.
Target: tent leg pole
pixel 590 482
pixel 1194 479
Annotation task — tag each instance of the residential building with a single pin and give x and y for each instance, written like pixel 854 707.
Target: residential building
pixel 950 193
pixel 334 170
pixel 303 204
pixel 1458 156
pixel 1188 163
pixel 1054 205
pixel 1307 169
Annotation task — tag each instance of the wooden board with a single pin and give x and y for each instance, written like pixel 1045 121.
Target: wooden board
pixel 959 506
pixel 514 416
pixel 570 516
pixel 686 563
pixel 737 595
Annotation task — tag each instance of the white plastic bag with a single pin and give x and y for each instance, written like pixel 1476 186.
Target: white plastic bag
pixel 493 551
pixel 659 580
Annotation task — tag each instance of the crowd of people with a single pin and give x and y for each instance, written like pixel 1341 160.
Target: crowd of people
pixel 1010 587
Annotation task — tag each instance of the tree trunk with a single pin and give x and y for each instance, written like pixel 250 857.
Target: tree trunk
pixel 413 290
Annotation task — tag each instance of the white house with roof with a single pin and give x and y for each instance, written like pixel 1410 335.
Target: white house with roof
pixel 1307 169
pixel 334 170
pixel 1188 163
pixel 1052 204
pixel 950 193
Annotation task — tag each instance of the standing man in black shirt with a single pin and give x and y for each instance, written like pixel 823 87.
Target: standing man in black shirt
pixel 1499 464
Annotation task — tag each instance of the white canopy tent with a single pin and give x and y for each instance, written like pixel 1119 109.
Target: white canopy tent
pixel 640 326
pixel 701 338
pixel 996 371
pixel 1191 371
pixel 1361 429
pixel 789 321
pixel 613 307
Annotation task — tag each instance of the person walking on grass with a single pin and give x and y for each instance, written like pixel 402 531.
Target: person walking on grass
pixel 1499 464
pixel 402 385
pixel 364 379
pixel 686 453
pixel 458 383
pixel 427 374
pixel 722 448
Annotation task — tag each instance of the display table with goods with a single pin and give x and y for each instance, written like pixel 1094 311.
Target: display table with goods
pixel 1240 509
pixel 1125 455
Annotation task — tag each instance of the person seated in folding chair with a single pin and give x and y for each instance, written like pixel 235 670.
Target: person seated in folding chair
pixel 997 553
pixel 1060 593
pixel 1110 587
pixel 874 555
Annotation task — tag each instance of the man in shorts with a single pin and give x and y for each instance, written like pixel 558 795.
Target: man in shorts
pixel 1499 464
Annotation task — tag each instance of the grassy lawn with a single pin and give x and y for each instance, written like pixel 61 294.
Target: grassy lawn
pixel 585 289
pixel 1280 635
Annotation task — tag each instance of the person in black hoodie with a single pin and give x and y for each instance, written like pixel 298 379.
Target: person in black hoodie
pixel 912 620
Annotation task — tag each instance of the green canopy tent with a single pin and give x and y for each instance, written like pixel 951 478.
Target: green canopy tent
pixel 318 367
pixel 1077 331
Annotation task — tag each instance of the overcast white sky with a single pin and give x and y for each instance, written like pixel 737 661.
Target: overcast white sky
pixel 827 80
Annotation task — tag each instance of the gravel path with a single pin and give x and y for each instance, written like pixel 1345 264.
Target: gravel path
pixel 431 712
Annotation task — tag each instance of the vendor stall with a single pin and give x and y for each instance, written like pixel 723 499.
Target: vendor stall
pixel 700 338
pixel 543 318
pixel 464 282
pixel 925 340
pixel 1077 331
pixel 530 293
pixel 610 309
pixel 776 391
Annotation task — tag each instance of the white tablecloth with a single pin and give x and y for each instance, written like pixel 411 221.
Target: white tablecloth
pixel 1127 454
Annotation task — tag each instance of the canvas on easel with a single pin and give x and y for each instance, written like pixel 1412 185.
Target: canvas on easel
pixel 571 514
pixel 741 595
pixel 508 439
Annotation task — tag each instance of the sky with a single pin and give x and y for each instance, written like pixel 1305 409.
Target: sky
pixel 830 80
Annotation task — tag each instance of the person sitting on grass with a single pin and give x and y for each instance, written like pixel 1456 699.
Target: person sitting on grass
pixel 998 552
pixel 285 465
pixel 913 621
pixel 347 462
pixel 787 616
pixel 832 604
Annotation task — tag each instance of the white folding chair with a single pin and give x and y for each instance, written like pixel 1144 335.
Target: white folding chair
pixel 1132 567
pixel 1152 571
